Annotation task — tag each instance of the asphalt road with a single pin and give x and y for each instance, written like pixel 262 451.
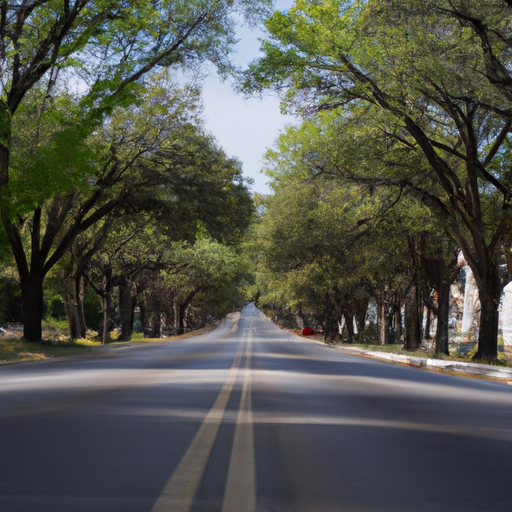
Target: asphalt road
pixel 249 418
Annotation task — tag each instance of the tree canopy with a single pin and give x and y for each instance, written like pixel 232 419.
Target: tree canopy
pixel 422 95
pixel 73 143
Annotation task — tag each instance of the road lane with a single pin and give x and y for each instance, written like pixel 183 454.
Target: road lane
pixel 249 418
pixel 240 492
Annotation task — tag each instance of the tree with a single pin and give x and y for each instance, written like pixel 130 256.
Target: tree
pixel 436 258
pixel 167 181
pixel 336 219
pixel 153 156
pixel 105 49
pixel 325 236
pixel 432 86
pixel 203 267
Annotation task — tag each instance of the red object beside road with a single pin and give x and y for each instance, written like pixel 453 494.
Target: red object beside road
pixel 307 331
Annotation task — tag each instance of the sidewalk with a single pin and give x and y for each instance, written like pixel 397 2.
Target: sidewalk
pixel 485 370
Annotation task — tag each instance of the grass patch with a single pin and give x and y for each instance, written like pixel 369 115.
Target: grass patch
pixel 54 324
pixel 391 349
pixel 56 343
pixel 23 350
pixel 504 358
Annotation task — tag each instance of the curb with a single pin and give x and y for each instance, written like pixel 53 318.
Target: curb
pixel 486 370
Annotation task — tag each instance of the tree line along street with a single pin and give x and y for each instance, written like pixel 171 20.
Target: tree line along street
pixel 114 199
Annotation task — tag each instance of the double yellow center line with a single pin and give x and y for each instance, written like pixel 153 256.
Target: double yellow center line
pixel 240 494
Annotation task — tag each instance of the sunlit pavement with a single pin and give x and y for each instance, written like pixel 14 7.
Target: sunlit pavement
pixel 249 418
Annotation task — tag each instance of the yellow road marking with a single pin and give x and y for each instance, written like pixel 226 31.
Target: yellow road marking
pixel 178 494
pixel 240 492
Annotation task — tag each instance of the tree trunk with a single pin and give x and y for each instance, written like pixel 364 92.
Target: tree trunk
pixel 73 305
pixel 142 313
pixel 361 311
pixel 80 301
pixel 125 309
pixel 412 319
pixel 490 291
pixel 381 320
pixel 180 309
pixel 204 317
pixel 32 306
pixel 155 325
pixel 105 303
pixel 70 307
pixel 443 317
pixel 179 317
pixel 349 324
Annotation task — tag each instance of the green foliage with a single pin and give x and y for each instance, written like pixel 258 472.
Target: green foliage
pixel 92 310
pixel 208 271
pixel 74 71
pixel 337 231
pixel 10 300
pixel 421 91
pixel 5 124
pixel 50 153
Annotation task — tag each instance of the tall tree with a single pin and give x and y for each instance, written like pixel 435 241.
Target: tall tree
pixel 168 181
pixel 206 266
pixel 104 49
pixel 330 238
pixel 437 89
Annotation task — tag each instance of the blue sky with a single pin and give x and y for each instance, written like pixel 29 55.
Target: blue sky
pixel 244 127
